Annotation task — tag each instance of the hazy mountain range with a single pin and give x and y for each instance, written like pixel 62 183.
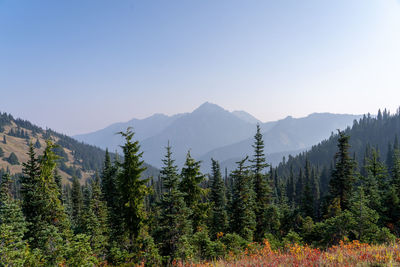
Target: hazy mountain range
pixel 211 131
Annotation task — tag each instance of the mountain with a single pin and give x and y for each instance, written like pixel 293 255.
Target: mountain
pixel 107 137
pixel 211 131
pixel 285 137
pixel 206 128
pixel 76 158
pixel 243 115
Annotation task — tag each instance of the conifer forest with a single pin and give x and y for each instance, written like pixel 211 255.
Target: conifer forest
pixel 336 204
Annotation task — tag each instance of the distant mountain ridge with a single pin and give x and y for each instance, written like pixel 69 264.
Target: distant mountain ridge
pixel 211 131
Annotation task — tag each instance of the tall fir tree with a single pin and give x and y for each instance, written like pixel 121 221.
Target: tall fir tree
pixel 219 216
pixel 76 205
pixel 261 188
pixel 132 189
pixel 190 185
pixel 95 223
pixel 243 215
pixel 173 224
pixel 29 186
pixel 49 227
pixel 343 176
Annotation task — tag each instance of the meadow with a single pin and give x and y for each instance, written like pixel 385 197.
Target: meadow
pixel 348 253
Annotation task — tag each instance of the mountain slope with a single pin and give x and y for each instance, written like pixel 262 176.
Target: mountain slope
pixel 288 135
pixel 107 137
pixel 380 132
pixel 76 158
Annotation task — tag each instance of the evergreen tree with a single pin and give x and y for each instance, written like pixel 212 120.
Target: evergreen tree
pixel 291 188
pixel 95 220
pixel 219 217
pixel 173 224
pixel 111 197
pixel 190 185
pixel 29 183
pixel 261 188
pixel 13 159
pixel 375 180
pixel 1 153
pixel 132 190
pixel 13 249
pixel 243 216
pixel 37 143
pixel 76 205
pixel 343 177
pixel 48 226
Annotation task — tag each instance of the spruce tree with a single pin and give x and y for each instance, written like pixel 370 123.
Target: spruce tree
pixel 173 224
pixel 261 188
pixel 95 223
pixel 13 249
pixel 375 180
pixel 48 225
pixel 343 177
pixel 132 189
pixel 291 188
pixel 111 196
pixel 243 215
pixel 219 217
pixel 190 185
pixel 29 183
pixel 76 205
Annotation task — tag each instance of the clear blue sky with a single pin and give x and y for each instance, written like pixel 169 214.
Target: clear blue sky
pixel 77 66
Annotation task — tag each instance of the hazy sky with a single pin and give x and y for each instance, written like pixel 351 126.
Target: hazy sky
pixel 77 66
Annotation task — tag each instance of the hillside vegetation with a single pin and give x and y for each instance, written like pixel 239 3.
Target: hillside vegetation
pixel 76 158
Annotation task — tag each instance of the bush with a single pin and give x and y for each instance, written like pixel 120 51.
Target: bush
pixel 384 236
pixel 234 243
pixel 274 242
pixel 292 238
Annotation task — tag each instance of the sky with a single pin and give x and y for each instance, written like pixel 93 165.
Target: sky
pixel 77 66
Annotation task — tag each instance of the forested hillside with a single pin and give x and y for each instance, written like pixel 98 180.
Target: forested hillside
pixel 76 158
pixel 340 191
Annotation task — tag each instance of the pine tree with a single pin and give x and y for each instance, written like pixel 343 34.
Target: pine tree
pixel 95 223
pixel 37 143
pixel 315 188
pixel 132 189
pixel 13 249
pixel 173 224
pixel 190 185
pixel 111 196
pixel 48 225
pixel 375 180
pixel 76 205
pixel 243 216
pixel 261 188
pixel 343 177
pixel 291 188
pixel 219 217
pixel 29 183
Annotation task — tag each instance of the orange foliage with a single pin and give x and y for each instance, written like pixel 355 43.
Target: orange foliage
pixel 345 254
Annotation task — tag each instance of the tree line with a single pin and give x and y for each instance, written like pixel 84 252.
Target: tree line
pixel 184 215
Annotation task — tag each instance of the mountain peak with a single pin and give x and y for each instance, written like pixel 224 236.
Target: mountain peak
pixel 208 107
